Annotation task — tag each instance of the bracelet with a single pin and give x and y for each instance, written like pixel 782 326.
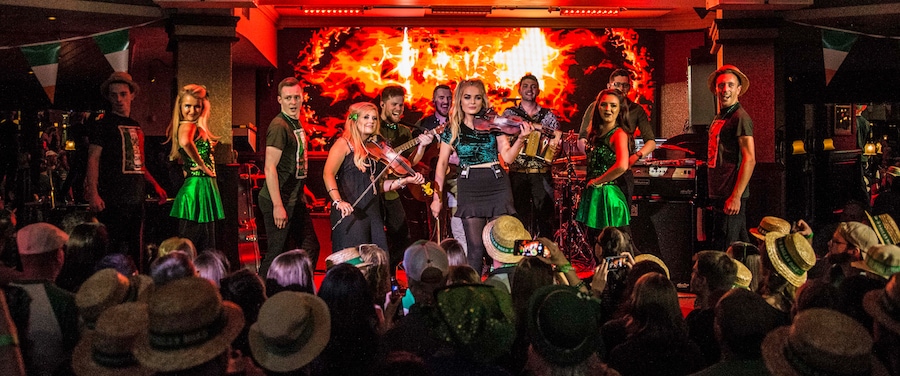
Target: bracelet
pixel 564 268
pixel 639 154
pixel 330 189
pixel 336 202
pixel 579 285
pixel 8 340
pixel 810 236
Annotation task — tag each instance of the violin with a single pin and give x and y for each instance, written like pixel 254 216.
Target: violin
pixel 493 123
pixel 398 164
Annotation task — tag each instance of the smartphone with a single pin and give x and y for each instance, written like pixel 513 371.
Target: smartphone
pixel 530 248
pixel 615 262
pixel 395 286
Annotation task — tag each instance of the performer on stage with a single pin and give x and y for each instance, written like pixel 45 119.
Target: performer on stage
pixel 349 174
pixel 483 186
pixel 602 201
pixel 197 205
pixel 396 134
pixel 530 175
pixel 116 173
pixel 281 201
pixel 731 157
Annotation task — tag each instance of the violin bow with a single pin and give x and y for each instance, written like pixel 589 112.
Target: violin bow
pixel 371 186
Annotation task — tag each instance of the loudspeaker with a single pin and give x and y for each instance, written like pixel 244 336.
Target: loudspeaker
pixel 666 229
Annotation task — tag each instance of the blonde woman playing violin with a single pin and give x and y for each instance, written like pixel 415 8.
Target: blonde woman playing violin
pixel 483 189
pixel 348 173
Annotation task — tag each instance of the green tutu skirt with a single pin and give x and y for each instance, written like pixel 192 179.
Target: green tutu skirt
pixel 198 200
pixel 603 206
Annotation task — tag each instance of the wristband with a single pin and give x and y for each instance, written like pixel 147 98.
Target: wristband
pixel 810 236
pixel 579 285
pixel 336 202
pixel 8 340
pixel 639 154
pixel 564 268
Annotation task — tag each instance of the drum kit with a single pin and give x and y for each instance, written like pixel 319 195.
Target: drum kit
pixel 569 172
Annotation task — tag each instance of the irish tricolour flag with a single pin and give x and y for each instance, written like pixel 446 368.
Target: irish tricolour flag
pixel 114 46
pixel 44 61
pixel 835 47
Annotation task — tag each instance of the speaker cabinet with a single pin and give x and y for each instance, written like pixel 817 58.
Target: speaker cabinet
pixel 666 229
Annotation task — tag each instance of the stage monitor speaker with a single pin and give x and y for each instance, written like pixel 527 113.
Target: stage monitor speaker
pixel 666 229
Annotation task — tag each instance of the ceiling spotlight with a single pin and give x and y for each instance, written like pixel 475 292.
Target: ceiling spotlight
pixel 461 10
pixel 590 12
pixel 311 11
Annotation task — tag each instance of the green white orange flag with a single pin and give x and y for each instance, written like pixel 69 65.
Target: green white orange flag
pixel 114 46
pixel 44 61
pixel 835 47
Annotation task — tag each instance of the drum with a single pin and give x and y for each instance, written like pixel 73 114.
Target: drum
pixel 539 145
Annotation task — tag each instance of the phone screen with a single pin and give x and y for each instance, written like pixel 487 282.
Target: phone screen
pixel 529 248
pixel 615 262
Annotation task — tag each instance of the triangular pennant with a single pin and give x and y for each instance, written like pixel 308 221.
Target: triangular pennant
pixel 44 61
pixel 835 47
pixel 114 46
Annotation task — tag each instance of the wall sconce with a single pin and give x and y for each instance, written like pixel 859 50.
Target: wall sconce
pixel 869 149
pixel 797 147
pixel 828 144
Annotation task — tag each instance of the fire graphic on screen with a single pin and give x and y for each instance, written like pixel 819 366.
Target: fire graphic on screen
pixel 346 65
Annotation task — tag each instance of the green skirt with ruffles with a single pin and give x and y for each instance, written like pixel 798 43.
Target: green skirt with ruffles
pixel 198 200
pixel 603 206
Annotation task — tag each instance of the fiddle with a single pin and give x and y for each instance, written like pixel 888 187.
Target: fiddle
pixel 398 164
pixel 493 123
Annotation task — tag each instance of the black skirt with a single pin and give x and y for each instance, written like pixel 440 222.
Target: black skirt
pixel 483 194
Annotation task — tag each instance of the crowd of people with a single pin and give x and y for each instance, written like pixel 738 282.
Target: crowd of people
pixel 499 297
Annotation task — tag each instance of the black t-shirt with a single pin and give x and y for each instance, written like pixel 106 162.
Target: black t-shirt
pixel 724 150
pixel 121 175
pixel 291 139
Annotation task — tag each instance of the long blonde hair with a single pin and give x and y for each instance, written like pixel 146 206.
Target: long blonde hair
pixel 456 112
pixel 354 136
pixel 198 92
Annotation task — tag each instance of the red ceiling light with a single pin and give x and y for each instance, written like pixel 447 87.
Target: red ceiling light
pixel 309 11
pixel 461 10
pixel 590 12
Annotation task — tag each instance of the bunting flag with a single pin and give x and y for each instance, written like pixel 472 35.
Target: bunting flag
pixel 114 46
pixel 44 61
pixel 835 47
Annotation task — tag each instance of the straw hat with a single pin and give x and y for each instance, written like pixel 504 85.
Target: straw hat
pixel 189 325
pixel 882 304
pixel 38 238
pixel 564 325
pixel 108 349
pixel 819 342
pixel 882 260
pixel 292 329
pixel 791 255
pixel 742 78
pixel 744 276
pixel 500 236
pixel 770 224
pixel 346 255
pixel 107 288
pixel 118 78
pixel 885 228
pixel 652 258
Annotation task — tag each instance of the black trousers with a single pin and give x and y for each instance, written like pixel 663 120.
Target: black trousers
pixel 727 229
pixel 299 233
pixel 533 199
pixel 125 224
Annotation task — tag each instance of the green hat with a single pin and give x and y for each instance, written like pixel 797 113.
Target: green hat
pixel 478 320
pixel 564 324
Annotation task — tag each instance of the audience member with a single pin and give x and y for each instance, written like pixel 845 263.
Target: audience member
pixel 244 288
pixel 657 342
pixel 500 236
pixel 852 290
pixel 881 261
pixel 189 330
pixel 108 288
pixel 816 294
pixel 172 266
pixel 712 276
pixel 177 244
pixel 402 363
pixel 476 321
pixel 109 348
pixel 848 244
pixel 88 243
pixel 292 330
pixel 748 255
pixel 564 328
pixel 656 260
pixel 462 275
pixel 617 310
pixel 11 362
pixel 532 274
pixel 456 251
pixel 426 267
pixel 783 268
pixel 613 242
pixel 821 341
pixel 50 331
pixel 378 272
pixel 743 319
pixel 211 265
pixel 121 262
pixel 75 218
pixel 743 277
pixel 347 255
pixel 882 306
pixel 9 256
pixel 290 271
pixel 345 291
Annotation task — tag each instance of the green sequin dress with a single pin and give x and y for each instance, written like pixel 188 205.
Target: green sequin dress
pixel 198 199
pixel 604 205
